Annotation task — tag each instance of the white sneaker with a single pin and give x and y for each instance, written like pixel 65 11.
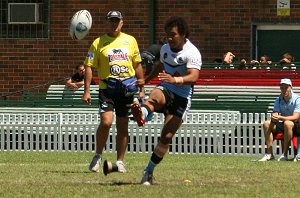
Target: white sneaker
pixel 147 179
pixel 121 167
pixel 95 163
pixel 282 158
pixel 267 157
pixel 297 158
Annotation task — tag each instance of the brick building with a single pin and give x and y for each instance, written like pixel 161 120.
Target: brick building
pixel 41 52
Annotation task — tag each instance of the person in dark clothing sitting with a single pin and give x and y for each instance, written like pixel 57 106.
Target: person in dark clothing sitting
pixel 77 79
pixel 151 55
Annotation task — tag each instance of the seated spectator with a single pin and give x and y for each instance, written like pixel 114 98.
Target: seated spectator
pixel 151 55
pixel 264 63
pixel 285 118
pixel 286 61
pixel 77 79
pixel 229 59
pixel 218 63
pixel 243 64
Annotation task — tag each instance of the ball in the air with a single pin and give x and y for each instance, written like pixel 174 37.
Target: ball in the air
pixel 81 24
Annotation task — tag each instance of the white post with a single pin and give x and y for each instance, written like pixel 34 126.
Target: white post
pixel 59 131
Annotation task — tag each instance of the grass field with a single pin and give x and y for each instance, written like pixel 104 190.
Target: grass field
pixel 65 174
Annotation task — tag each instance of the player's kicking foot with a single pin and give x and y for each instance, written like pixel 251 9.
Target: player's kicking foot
pixel 138 114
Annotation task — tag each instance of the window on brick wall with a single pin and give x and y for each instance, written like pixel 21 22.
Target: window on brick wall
pixel 24 19
pixel 275 40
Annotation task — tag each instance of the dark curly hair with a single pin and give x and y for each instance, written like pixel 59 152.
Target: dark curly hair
pixel 178 22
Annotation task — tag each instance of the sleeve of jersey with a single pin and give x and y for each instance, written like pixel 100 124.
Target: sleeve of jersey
pixel 297 105
pixel 136 57
pixel 161 55
pixel 91 59
pixel 195 60
pixel 276 105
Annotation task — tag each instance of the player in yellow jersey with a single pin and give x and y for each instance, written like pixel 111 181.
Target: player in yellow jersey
pixel 116 57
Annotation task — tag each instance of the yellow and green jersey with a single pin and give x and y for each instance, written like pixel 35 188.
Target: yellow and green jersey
pixel 113 57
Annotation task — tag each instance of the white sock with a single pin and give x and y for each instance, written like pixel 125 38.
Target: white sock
pixel 145 111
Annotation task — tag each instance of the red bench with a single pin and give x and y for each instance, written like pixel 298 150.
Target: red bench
pixel 241 77
pixel 294 140
pixel 247 77
pixel 227 73
pixel 236 81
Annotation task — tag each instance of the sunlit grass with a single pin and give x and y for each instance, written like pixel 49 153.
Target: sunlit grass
pixel 65 174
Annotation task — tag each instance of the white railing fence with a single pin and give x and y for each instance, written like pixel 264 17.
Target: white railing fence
pixel 205 133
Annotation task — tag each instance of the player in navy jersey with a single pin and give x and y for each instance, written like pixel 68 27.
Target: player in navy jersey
pixel 178 71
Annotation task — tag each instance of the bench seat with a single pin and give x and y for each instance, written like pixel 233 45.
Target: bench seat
pixel 253 99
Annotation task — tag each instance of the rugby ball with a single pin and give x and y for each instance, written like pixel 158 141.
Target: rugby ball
pixel 81 24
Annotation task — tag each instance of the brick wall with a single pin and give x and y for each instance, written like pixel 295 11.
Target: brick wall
pixel 216 27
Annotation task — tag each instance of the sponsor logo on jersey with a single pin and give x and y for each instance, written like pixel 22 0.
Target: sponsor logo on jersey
pixel 195 61
pixel 116 70
pixel 116 55
pixel 180 60
pixel 90 55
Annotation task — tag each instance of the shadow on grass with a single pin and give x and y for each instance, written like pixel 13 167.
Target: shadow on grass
pixel 69 172
pixel 118 183
pixel 108 183
pixel 102 183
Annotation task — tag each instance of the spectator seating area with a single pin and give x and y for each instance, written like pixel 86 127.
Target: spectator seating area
pixel 236 66
pixel 57 96
pixel 249 91
pixel 244 77
pixel 217 90
pixel 247 77
pixel 244 99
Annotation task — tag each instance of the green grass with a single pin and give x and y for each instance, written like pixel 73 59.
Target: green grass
pixel 65 174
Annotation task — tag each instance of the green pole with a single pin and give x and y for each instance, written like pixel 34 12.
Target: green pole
pixel 151 21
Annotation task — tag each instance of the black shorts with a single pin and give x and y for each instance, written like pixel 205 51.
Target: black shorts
pixel 175 105
pixel 120 103
pixel 280 128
